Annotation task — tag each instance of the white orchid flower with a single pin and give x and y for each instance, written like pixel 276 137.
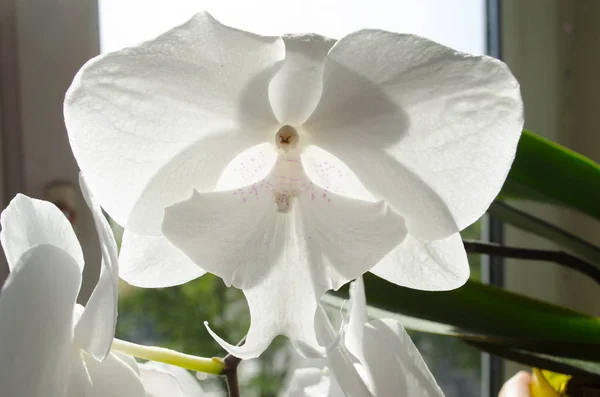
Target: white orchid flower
pixel 49 345
pixel 290 165
pixel 162 380
pixel 382 355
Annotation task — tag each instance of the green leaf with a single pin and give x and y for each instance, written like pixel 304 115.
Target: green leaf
pixel 562 365
pixel 547 172
pixel 481 311
pixel 529 223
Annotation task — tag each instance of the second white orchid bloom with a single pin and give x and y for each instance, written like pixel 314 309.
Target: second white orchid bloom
pixel 49 345
pixel 290 165
pixel 162 380
pixel 383 361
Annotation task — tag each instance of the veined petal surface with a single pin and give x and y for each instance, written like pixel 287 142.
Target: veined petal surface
pixel 95 330
pixel 149 123
pixel 438 265
pixel 36 323
pixel 153 262
pixel 430 130
pixel 28 222
pixel 283 262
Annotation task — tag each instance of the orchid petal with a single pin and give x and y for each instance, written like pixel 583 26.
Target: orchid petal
pixel 295 90
pixel 250 166
pixel 28 222
pixel 162 380
pixel 438 265
pixel 79 379
pixel 153 262
pixel 351 235
pixel 284 300
pixel 357 320
pixel 394 363
pixel 302 379
pixel 283 303
pixel 159 382
pixel 340 362
pixel 172 112
pixel 283 262
pixel 313 382
pixel 329 172
pixel 424 127
pixel 232 234
pixel 129 360
pixel 95 329
pixel 112 377
pixel 36 330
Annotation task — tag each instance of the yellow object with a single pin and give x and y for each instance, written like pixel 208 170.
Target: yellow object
pixel 213 366
pixel 548 384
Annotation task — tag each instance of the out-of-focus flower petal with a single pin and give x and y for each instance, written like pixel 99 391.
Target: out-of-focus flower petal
pixel 426 128
pixel 36 326
pixel 353 339
pixel 295 90
pixel 394 363
pixel 95 330
pixel 159 382
pixel 162 380
pixel 426 265
pixel 28 222
pixel 79 381
pixel 152 261
pixel 312 382
pixel 340 362
pixel 147 124
pixel 128 360
pixel 112 377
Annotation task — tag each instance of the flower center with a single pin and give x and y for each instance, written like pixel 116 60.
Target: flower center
pixel 289 180
pixel 288 172
pixel 286 138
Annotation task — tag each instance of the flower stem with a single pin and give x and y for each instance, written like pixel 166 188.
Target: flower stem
pixel 230 372
pixel 215 366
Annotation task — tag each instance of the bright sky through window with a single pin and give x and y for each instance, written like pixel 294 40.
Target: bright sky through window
pixel 456 23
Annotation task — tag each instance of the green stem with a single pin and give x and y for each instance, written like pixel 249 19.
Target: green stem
pixel 214 366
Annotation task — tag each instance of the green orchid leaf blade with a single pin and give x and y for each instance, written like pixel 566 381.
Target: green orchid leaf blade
pixel 563 365
pixel 548 172
pixel 531 224
pixel 477 310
